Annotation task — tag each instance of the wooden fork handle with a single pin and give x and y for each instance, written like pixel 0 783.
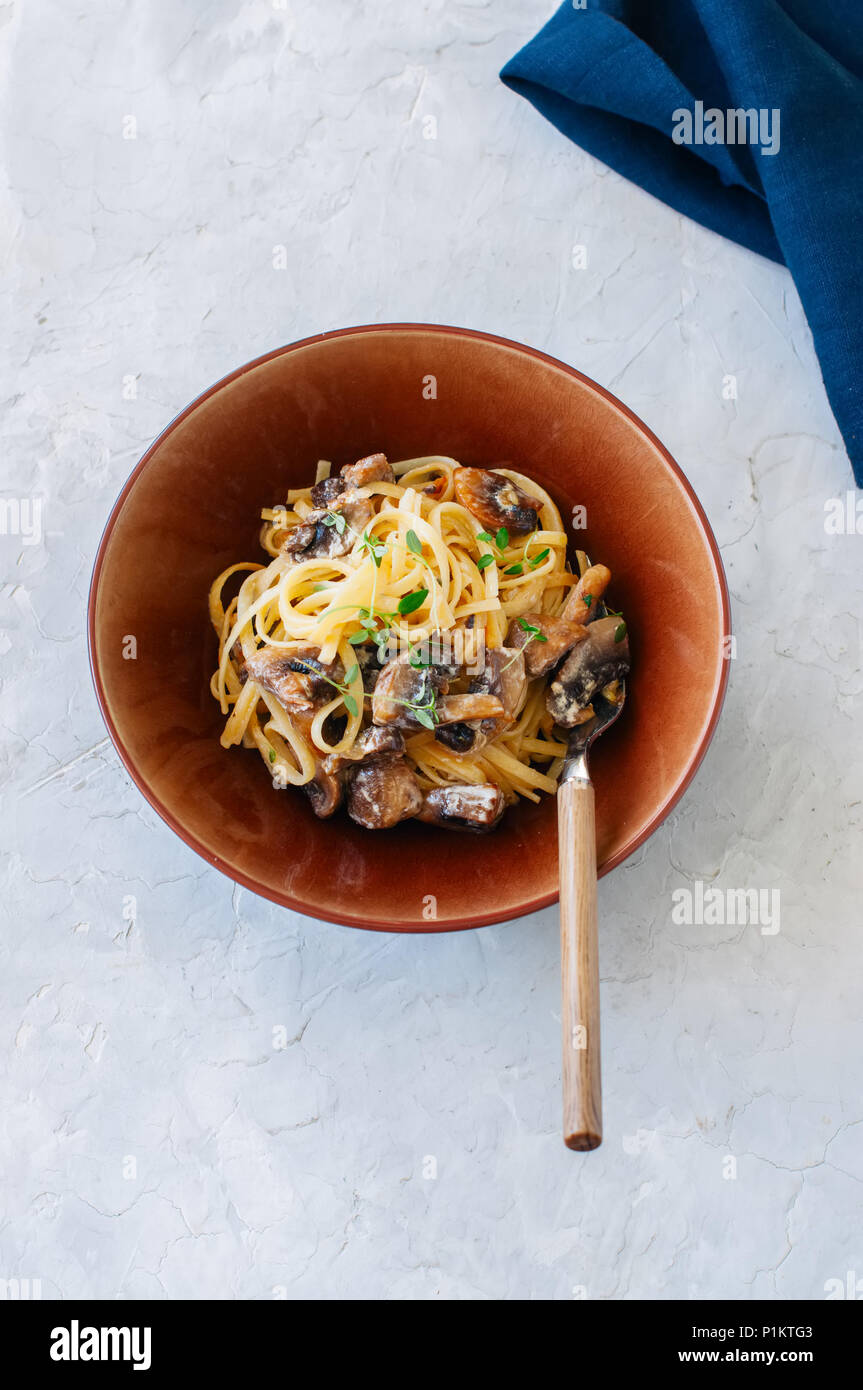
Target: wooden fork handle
pixel 579 953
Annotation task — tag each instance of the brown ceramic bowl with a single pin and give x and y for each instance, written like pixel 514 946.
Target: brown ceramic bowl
pixel 191 507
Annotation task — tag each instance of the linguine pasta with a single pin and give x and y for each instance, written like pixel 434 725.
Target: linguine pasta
pixel 423 569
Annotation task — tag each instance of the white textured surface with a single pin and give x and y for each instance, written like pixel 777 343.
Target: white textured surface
pixel 302 1169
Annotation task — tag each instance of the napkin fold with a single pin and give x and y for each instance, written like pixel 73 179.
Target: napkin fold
pixel 746 115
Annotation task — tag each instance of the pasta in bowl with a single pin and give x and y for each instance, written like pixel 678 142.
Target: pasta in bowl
pixel 417 646
pixel 191 509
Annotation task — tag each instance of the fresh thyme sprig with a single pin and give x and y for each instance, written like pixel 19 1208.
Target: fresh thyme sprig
pixel 534 634
pixel 408 603
pixel 621 629
pixel 532 563
pixel 369 618
pixel 500 541
pixel 425 714
pixel 415 546
pixel 370 632
pixel 375 547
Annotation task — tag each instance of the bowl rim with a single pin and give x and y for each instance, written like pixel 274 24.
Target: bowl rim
pixel 347 919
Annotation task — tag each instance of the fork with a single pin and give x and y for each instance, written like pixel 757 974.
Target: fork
pixel 579 945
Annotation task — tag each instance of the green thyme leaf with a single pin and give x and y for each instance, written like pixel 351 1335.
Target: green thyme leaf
pixel 272 755
pixel 419 659
pixel 538 559
pixel 424 718
pixel 351 675
pixel 535 634
pixel 410 602
pixel 620 632
pixel 515 569
pixel 484 561
pixel 357 637
pixel 374 546
pixel 350 704
pixel 414 543
pixel 588 600
pixel 484 536
pixel 501 540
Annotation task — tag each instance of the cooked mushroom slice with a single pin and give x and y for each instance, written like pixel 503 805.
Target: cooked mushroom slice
pixel 454 709
pixel 592 665
pixel 383 793
pixel 275 671
pixel 326 791
pixel 329 532
pixel 458 738
pixel 543 647
pixel 322 676
pixel 327 490
pixel 503 677
pixel 374 744
pixel 357 511
pixel 496 501
pixel 402 688
pixel 305 536
pixel 374 468
pixel 583 605
pixel 297 679
pixel 468 807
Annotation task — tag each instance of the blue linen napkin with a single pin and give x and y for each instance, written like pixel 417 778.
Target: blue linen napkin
pixel 747 115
